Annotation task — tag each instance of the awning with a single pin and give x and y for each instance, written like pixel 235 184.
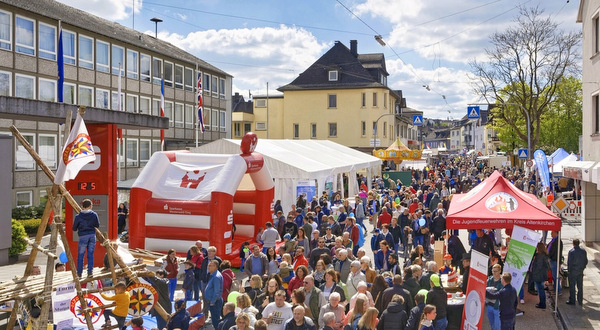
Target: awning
pixel 580 170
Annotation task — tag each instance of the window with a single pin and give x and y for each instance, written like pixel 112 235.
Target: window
pixel 145 105
pixel 374 128
pixel 363 100
pixel 115 105
pixel 5 83
pixel 189 79
pixel 596 34
pixel 206 82
pixel 102 56
pixel 385 100
pixel 145 151
pixel 25 86
pixel 374 99
pixel 24 161
pixel 5 30
pixel 168 74
pixel 156 70
pixel 86 52
pixel 296 131
pixel 247 127
pixel 25 35
pixel 214 117
pixel 189 116
pixel 222 120
pixel 179 115
pixel 206 118
pixel 68 42
pixel 47 90
pixel 132 103
pixel 86 96
pixel 332 101
pixel 132 152
pixel 313 130
pixel 332 129
pixel 102 99
pixel 169 113
pixel 47 40
pixel 155 107
pixel 132 64
pixel 118 60
pixel 69 94
pixel 178 76
pixel 596 107
pixel 384 129
pixel 215 85
pixel 363 128
pixel 261 103
pixel 47 149
pixel 222 88
pixel 24 198
pixel 333 75
pixel 156 146
pixel 145 67
pixel 237 129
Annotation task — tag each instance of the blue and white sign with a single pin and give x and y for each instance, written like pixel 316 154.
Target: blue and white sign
pixel 523 154
pixel 473 112
pixel 418 120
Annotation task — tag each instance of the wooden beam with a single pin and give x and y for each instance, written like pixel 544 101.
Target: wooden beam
pixel 37 247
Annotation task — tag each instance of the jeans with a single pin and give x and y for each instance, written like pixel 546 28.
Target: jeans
pixel 215 311
pixel 120 319
pixel 419 240
pixel 172 287
pixel 522 293
pixel 86 242
pixel 507 324
pixel 189 295
pixel 541 293
pixel 440 324
pixel 493 316
pixel 361 223
pixel 555 275
pixel 576 280
pixel 196 284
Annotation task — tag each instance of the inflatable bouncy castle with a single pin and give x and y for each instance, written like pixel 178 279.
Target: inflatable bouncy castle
pixel 181 197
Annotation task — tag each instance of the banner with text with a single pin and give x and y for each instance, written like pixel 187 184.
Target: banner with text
pixel 475 296
pixel 520 252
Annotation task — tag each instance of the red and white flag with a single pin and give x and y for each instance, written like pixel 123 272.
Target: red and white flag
pixel 162 112
pixel 77 152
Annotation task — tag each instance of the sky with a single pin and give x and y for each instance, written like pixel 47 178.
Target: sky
pixel 429 43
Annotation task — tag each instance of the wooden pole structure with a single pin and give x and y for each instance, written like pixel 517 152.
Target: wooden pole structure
pixel 37 247
pixel 111 263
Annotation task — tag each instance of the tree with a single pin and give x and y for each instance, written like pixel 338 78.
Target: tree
pixel 524 66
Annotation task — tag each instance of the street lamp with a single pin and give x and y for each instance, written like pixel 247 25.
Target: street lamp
pixel 375 128
pixel 156 20
pixel 528 122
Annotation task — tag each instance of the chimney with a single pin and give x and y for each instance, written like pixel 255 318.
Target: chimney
pixel 354 47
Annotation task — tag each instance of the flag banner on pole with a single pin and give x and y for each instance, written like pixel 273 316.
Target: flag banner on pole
pixel 542 165
pixel 162 112
pixel 200 111
pixel 475 296
pixel 119 105
pixel 61 68
pixel 77 152
pixel 520 252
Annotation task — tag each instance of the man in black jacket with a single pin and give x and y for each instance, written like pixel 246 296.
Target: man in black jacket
pixel 437 297
pixel 466 262
pixel 508 302
pixel 161 284
pixel 394 316
pixel 228 319
pixel 397 289
pixel 414 317
pixel 576 264
pixel 553 253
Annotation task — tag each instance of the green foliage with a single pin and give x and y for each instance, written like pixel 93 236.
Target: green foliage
pixel 18 244
pixel 29 212
pixel 31 226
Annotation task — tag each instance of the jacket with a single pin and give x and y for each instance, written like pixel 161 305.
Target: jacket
pixel 316 301
pixel 228 278
pixel 161 285
pixel 553 249
pixel 227 322
pixel 437 297
pixel 540 267
pixel 172 267
pixel 214 288
pixel 385 237
pixel 414 318
pixel 122 301
pixel 352 282
pixel 306 325
pixel 393 318
pixel 412 286
pixel 299 261
pixel 508 301
pixel 338 311
pixel 264 264
pixel 204 276
pixel 335 288
pixel 343 267
pixel 577 261
pixel 315 255
pixel 188 280
pixel 294 284
pixel 86 222
pixel 389 293
pixel 382 258
pixel 181 320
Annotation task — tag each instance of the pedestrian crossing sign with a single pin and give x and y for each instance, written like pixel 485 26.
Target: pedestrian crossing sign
pixel 473 112
pixel 418 120
pixel 523 154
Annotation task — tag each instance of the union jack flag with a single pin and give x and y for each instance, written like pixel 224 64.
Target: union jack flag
pixel 200 111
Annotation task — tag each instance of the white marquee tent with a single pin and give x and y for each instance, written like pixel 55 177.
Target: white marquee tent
pixel 291 161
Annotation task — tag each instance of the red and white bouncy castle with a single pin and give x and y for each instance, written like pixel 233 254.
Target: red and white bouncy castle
pixel 181 197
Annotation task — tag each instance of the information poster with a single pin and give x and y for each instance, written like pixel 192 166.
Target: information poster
pixel 307 187
pixel 66 309
pixel 520 252
pixel 475 295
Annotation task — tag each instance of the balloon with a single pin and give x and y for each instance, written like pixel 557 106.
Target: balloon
pixel 232 297
pixel 351 215
pixel 63 258
pixel 422 222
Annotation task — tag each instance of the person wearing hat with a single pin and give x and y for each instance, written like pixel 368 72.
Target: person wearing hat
pixel 181 318
pixel 438 298
pixel 466 262
pixel 188 280
pixel 447 267
pixel 299 220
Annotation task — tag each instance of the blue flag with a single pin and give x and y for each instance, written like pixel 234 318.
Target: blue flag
pixel 542 165
pixel 61 68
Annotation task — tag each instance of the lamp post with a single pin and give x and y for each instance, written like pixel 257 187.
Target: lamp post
pixel 156 20
pixel 528 123
pixel 375 128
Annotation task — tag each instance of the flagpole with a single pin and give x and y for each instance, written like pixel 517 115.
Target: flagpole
pixel 196 104
pixel 119 132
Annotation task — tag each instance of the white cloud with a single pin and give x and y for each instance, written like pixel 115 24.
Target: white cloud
pixel 109 9
pixel 182 17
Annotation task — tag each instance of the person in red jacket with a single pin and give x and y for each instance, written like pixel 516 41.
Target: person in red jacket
pixel 300 259
pixel 172 267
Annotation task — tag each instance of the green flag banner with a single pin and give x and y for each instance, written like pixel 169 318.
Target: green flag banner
pixel 520 252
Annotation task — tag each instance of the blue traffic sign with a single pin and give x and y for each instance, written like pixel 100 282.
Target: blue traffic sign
pixel 473 112
pixel 523 153
pixel 418 120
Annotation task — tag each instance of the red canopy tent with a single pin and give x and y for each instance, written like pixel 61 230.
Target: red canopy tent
pixel 497 203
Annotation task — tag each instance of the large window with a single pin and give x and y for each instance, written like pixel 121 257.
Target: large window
pixel 115 105
pixel 156 107
pixel 118 59
pixel 332 101
pixel 24 161
pixel 206 112
pixel 179 115
pixel 145 105
pixel 86 52
pixel 86 96
pixel 145 151
pixel 189 79
pixel 384 129
pixel 215 85
pixel 24 198
pixel 5 83
pixel 145 67
pixel 102 99
pixel 222 88
pixel 189 116
pixel 47 149
pixel 178 76
pixel 156 70
pixel 237 129
pixel 132 64
pixel 168 74
pixel 206 82
pixel 47 40
pixel 132 103
pixel 5 30
pixel 363 128
pixel 68 41
pixel 25 35
pixel 596 34
pixel 169 113
pixel 222 120
pixel 24 86
pixel 47 90
pixel 332 129
pixel 69 95
pixel 214 118
pixel 132 152
pixel 296 131
pixel 102 56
